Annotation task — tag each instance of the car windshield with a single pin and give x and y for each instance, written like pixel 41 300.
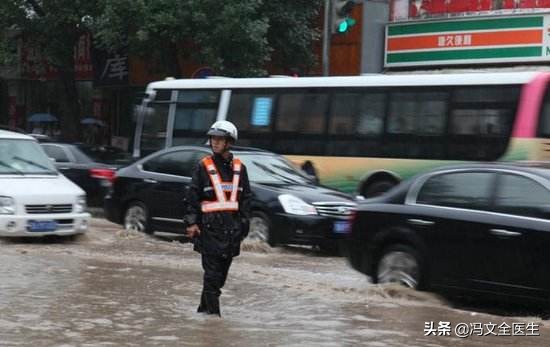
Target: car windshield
pixel 106 154
pixel 24 157
pixel 271 169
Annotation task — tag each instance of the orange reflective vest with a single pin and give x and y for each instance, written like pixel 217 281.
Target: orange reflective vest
pixel 221 188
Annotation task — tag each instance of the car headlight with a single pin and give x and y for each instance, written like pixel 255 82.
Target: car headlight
pixel 7 205
pixel 80 205
pixel 294 205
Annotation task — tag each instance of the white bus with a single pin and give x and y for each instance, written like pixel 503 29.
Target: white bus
pixel 362 134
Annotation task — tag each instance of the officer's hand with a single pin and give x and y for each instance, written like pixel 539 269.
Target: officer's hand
pixel 193 231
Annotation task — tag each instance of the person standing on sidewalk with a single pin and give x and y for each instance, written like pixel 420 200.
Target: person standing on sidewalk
pixel 218 212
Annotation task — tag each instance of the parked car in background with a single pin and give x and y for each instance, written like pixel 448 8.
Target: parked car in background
pixel 35 200
pixel 288 206
pixel 91 168
pixel 476 228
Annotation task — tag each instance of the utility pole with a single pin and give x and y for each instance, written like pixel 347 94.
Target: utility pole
pixel 327 26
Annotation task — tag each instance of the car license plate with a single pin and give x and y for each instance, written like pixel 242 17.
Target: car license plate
pixel 341 227
pixel 42 225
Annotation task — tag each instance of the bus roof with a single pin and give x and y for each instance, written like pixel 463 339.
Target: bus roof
pixel 375 80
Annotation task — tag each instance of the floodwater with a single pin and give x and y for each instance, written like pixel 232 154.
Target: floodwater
pixel 113 288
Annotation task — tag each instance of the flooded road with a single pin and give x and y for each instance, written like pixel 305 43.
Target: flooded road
pixel 113 288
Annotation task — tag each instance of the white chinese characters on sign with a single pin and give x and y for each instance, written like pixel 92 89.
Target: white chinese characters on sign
pixel 465 330
pixel 454 40
pixel 116 68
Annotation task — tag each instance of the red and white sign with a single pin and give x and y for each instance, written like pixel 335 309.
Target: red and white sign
pixel 417 9
pixel 35 66
pixel 83 68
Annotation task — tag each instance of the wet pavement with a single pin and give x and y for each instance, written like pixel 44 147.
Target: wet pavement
pixel 114 288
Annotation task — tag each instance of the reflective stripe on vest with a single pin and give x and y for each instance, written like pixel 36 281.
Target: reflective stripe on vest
pixel 221 203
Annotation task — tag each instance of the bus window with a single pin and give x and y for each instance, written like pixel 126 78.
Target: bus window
pixel 198 96
pixel 300 125
pixel 484 94
pixel 416 125
pixel 153 135
pixel 302 113
pixel 251 112
pixel 196 110
pixel 357 114
pixel 544 120
pixel 481 121
pixel 163 95
pixel 356 123
pixel 421 113
pixel 194 119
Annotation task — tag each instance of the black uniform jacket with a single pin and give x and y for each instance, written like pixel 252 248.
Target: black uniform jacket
pixel 221 232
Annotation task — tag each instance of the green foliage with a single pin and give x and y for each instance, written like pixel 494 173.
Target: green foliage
pixel 234 37
pixel 52 26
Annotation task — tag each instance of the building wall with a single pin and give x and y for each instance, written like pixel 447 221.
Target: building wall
pixel 345 50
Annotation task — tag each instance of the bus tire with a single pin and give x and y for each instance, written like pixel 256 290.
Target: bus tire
pixel 377 188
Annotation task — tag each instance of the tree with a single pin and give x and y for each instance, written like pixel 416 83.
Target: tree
pixel 294 27
pixel 234 37
pixel 53 27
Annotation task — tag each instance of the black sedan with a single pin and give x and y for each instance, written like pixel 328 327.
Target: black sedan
pixel 288 206
pixel 476 228
pixel 91 168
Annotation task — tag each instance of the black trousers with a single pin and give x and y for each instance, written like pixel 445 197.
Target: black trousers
pixel 215 273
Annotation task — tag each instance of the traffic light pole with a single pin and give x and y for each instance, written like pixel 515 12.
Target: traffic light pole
pixel 327 26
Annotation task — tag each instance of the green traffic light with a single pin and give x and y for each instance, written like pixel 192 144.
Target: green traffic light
pixel 344 25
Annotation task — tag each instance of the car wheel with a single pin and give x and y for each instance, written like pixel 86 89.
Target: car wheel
pixel 377 188
pixel 260 228
pixel 136 218
pixel 399 264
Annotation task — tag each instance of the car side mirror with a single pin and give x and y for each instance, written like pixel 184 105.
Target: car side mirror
pixel 52 159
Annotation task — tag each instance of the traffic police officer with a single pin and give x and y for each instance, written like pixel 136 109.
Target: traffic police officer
pixel 218 212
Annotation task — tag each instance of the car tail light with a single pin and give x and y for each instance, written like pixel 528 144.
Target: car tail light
pixel 106 174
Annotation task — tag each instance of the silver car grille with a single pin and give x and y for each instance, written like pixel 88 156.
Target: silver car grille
pixel 336 210
pixel 46 208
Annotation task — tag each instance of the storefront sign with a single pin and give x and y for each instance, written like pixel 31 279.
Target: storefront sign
pixel 110 69
pixel 487 40
pixel 83 68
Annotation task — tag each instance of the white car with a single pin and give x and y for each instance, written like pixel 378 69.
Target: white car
pixel 35 199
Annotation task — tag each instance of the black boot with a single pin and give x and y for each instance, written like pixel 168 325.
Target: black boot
pixel 212 303
pixel 202 305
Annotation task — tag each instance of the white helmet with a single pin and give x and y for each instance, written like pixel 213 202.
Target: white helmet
pixel 223 128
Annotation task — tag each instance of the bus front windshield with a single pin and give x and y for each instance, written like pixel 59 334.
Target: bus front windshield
pixel 24 157
pixel 271 169
pixel 176 118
